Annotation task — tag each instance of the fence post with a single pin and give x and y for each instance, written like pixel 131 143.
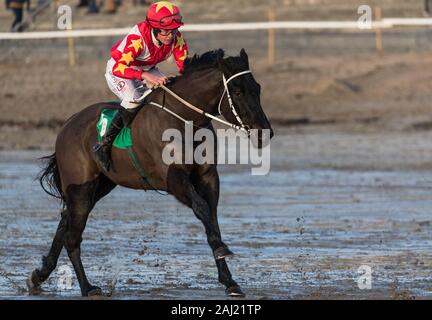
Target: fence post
pixel 71 50
pixel 70 40
pixel 271 38
pixel 378 31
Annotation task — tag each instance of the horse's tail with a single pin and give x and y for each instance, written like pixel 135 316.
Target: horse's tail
pixel 49 178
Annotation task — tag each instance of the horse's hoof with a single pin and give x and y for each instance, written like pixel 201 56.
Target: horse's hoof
pixel 94 291
pixel 33 283
pixel 222 252
pixel 235 291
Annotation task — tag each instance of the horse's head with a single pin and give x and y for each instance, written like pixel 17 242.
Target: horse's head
pixel 244 92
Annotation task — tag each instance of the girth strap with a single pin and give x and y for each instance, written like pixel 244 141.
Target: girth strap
pixel 143 175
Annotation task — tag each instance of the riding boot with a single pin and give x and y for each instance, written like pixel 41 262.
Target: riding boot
pixel 102 149
pixel 128 115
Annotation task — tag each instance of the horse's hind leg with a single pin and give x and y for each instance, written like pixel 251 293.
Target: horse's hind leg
pixel 79 204
pixel 89 194
pixel 80 201
pixel 202 195
pixel 49 262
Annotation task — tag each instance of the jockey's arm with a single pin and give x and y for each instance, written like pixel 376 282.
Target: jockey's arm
pixel 133 47
pixel 180 51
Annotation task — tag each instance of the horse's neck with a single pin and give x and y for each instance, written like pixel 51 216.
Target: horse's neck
pixel 202 89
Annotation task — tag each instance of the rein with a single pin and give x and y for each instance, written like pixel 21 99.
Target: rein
pixel 241 127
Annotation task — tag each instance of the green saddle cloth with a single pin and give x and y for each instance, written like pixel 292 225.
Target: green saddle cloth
pixel 124 137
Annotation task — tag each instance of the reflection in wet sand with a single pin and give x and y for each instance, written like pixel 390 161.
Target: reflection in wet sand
pixel 296 234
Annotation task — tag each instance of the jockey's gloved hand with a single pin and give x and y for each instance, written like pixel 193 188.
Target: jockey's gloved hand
pixel 170 79
pixel 153 80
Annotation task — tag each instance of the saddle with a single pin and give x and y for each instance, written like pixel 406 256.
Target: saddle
pixel 123 139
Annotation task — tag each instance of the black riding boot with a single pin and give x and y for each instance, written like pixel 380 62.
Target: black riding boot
pixel 128 115
pixel 102 149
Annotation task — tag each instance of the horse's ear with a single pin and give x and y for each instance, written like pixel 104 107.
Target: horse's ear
pixel 220 53
pixel 244 57
pixel 219 57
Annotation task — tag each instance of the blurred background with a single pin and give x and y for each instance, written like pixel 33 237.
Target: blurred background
pixel 350 181
pixel 325 80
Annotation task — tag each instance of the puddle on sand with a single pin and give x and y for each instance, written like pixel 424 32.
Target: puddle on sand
pixel 296 234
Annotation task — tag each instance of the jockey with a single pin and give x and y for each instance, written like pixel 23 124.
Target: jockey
pixel 133 62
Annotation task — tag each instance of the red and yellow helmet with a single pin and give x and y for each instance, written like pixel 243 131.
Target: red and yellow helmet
pixel 164 15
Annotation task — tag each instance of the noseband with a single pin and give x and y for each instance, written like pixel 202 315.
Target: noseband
pixel 231 104
pixel 242 127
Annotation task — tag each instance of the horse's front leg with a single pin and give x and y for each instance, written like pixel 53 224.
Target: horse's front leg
pixel 201 193
pixel 205 180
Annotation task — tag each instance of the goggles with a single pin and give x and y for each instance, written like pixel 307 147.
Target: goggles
pixel 168 20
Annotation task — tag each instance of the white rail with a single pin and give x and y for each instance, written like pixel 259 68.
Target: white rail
pixel 382 24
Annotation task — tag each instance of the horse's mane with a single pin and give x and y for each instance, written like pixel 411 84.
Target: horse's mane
pixel 206 60
pixel 209 59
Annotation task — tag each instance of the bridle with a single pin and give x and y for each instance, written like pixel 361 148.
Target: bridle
pixel 231 104
pixel 242 127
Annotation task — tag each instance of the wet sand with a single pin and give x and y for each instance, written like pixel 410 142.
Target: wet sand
pixel 299 232
pixel 350 182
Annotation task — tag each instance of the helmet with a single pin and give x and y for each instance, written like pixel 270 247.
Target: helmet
pixel 164 15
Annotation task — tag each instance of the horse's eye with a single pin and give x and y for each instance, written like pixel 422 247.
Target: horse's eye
pixel 237 92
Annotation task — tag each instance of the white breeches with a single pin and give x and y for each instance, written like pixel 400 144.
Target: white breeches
pixel 125 89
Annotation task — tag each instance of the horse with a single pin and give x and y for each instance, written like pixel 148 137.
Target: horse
pixel 73 174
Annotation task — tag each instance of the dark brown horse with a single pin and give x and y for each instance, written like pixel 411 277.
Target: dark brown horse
pixel 74 176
